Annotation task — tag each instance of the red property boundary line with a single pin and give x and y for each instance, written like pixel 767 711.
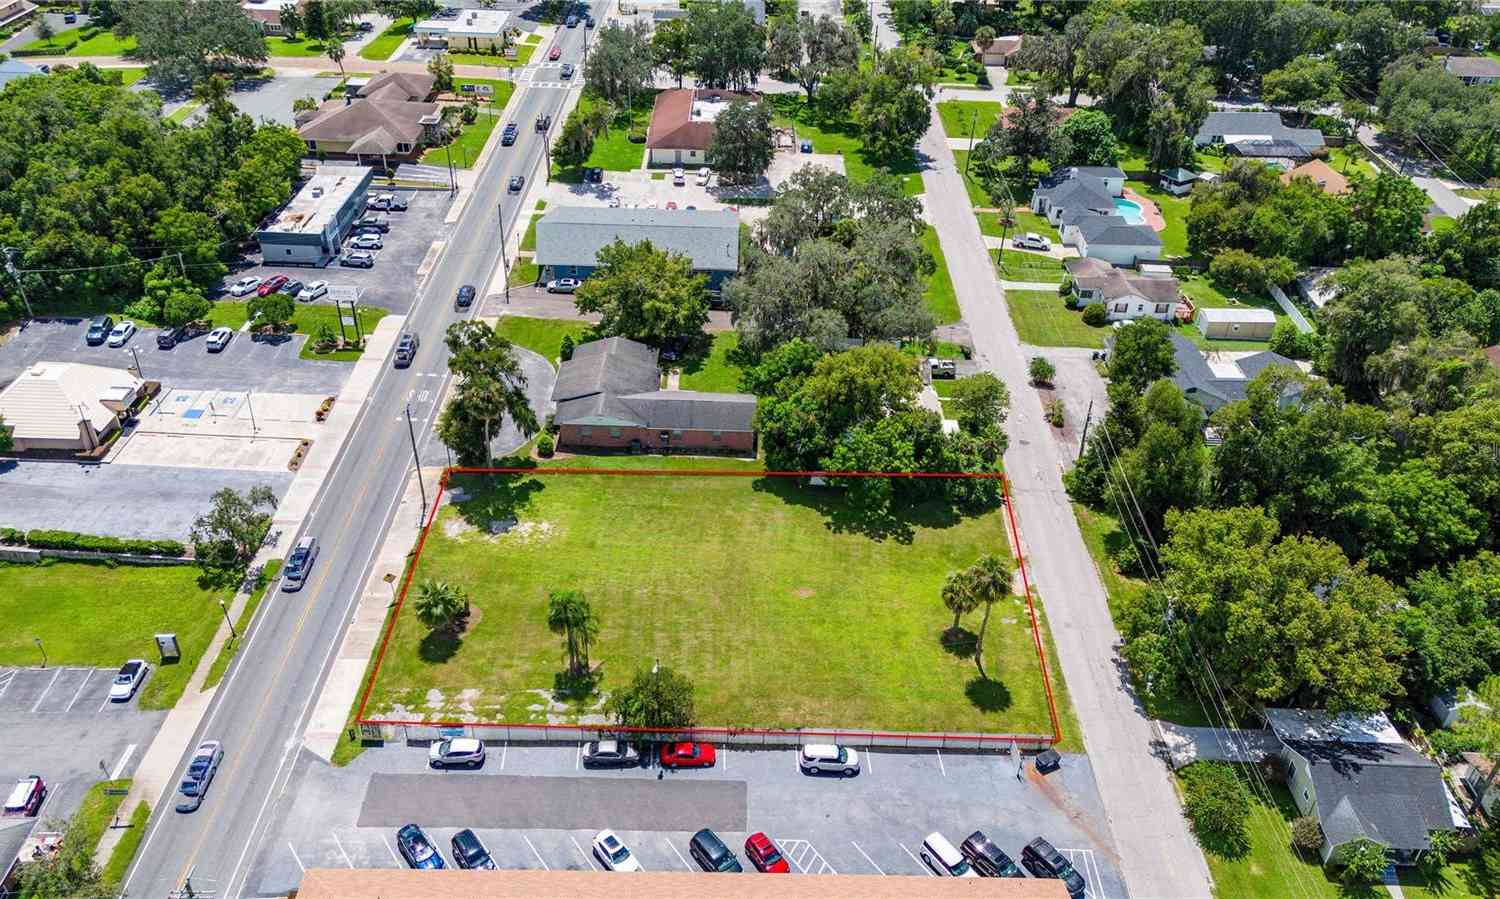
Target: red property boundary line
pixel 912 736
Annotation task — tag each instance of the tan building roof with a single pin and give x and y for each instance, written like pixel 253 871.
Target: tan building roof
pixel 376 125
pixel 49 399
pixel 367 883
pixel 405 86
pixel 683 119
pixel 1323 174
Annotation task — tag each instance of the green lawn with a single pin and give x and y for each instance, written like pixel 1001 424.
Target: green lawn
pixel 124 851
pixel 102 42
pixel 714 373
pixel 958 116
pixel 388 40
pixel 1466 878
pixel 1206 294
pixel 1351 159
pixel 1479 193
pixel 128 75
pixel 1026 221
pixel 523 56
pixel 1041 319
pixel 939 296
pixel 465 149
pixel 281 46
pixel 1174 210
pixel 528 240
pixel 305 320
pixel 709 556
pixel 100 614
pixel 184 112
pixel 1015 265
pixel 525 271
pixel 613 151
pixel 241 624
pixel 842 138
pixel 1441 223
pixel 978 196
pixel 1271 868
pixel 542 336
pixel 97 811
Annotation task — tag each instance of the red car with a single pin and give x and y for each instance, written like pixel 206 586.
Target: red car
pixel 270 285
pixel 556 54
pixel 26 797
pixel 764 855
pixel 687 755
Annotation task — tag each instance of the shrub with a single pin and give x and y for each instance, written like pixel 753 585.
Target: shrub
pixel 1307 833
pixel 1053 412
pixel 1041 370
pixel 1218 805
pixel 40 538
pixel 1331 126
pixel 1364 861
pixel 566 352
pixel 1094 314
pixel 545 446
pixel 12 536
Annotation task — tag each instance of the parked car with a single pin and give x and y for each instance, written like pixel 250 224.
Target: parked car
pixel 563 285
pixel 366 242
pixel 1031 241
pixel 942 368
pixel 817 758
pixel 806 146
pixel 613 854
pixel 99 328
pixel 671 204
pixel 127 680
pixel 509 135
pixel 291 288
pixel 703 175
pixel 366 26
pixel 299 564
pixel 373 221
pixel 571 21
pixel 121 333
pixel 465 297
pixel 943 859
pixel 1043 860
pixel 567 70
pixel 555 54
pixel 406 349
pixel 381 201
pixel 711 854
pixel 465 752
pixel 399 203
pixel 200 773
pixel 312 291
pixel 593 175
pixel 544 121
pixel 418 851
pixel 614 203
pixel 610 754
pixel 26 797
pixel 358 259
pixel 679 177
pixel 987 858
pixel 244 286
pixel 687 755
pixel 764 855
pixel 70 18
pixel 271 285
pixel 588 21
pixel 469 853
pixel 516 183
pixel 170 337
pixel 218 339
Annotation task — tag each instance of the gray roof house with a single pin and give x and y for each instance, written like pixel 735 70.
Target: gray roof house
pixel 11 69
pixel 1075 194
pixel 1231 127
pixel 1362 781
pixel 1212 384
pixel 1473 69
pixel 1126 295
pixel 569 238
pixel 1110 238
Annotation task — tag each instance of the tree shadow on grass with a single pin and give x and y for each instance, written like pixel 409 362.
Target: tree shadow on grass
pixel 439 646
pixel 842 518
pixel 959 641
pixel 570 686
pixel 495 497
pixel 988 695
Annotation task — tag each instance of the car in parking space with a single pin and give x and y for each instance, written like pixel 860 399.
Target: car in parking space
pixel 170 337
pixel 271 285
pixel 563 285
pixel 127 680
pixel 70 18
pixel 373 221
pixel 366 242
pixel 687 755
pixel 614 203
pixel 469 853
pixel 816 758
pixel 679 177
pixel 765 856
pixel 218 339
pixel 418 851
pixel 291 288
pixel 121 333
pixel 711 854
pixel 199 775
pixel 543 121
pixel 516 183
pixel 987 858
pixel 380 201
pixel 509 135
pixel 465 297
pixel 465 752
pixel 244 286
pixel 1042 859
pixel 671 204
pixel 588 21
pixel 567 70
pixel 571 21
pixel 406 349
pixel 312 291
pixel 703 175
pixel 399 203
pixel 613 854
pixel 299 564
pixel 610 754
pixel 357 259
pixel 556 54
pixel 1031 241
pixel 26 797
pixel 944 860
pixel 593 175
pixel 99 328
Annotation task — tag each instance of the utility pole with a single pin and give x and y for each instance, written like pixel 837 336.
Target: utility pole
pixel 1084 441
pixel 225 609
pixel 20 288
pixel 452 180
pixel 504 262
pixel 547 154
pixel 973 121
pixel 417 461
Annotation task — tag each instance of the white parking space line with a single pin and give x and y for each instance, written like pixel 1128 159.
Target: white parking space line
pixel 341 848
pixel 724 754
pixel 52 791
pixel 504 750
pixel 578 758
pixel 869 761
pixel 540 860
pixel 920 863
pixel 9 677
pixel 120 765
pixel 867 858
pixel 293 850
pixel 80 690
pixel 941 767
pixel 39 699
pixel 394 857
pixel 1088 865
pixel 679 856
pixel 806 858
pixel 586 857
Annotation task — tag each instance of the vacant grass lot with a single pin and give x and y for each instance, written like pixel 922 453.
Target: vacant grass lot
pixel 1015 265
pixel 99 42
pixel 842 138
pixel 939 296
pixel 1041 319
pixel 543 336
pixel 97 614
pixel 388 40
pixel 301 46
pixel 715 372
pixel 958 116
pixel 978 196
pixel 768 595
pixel 613 151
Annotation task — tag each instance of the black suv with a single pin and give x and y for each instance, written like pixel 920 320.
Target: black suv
pixel 406 349
pixel 509 135
pixel 465 297
pixel 373 221
pixel 173 336
pixel 711 854
pixel 543 122
pixel 468 852
pixel 1043 860
pixel 99 329
pixel 987 858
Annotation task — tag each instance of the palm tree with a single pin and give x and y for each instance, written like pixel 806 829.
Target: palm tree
pixel 439 604
pixel 568 613
pixel 989 582
pixel 335 52
pixel 958 597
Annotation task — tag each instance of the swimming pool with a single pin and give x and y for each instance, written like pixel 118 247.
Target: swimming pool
pixel 1130 211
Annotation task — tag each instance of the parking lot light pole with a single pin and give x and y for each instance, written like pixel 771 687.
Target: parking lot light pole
pixel 137 355
pixel 38 641
pixel 234 634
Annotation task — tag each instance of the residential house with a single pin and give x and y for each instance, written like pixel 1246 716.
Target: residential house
pixel 1258 129
pixel 1321 174
pixel 11 69
pixel 1236 323
pixel 1473 70
pixel 1111 238
pixel 267 14
pixel 1362 781
pixel 1000 50
pixel 1479 778
pixel 682 124
pixel 1078 193
pixel 310 229
pixel 1126 295
pixel 1178 182
pixel 462 30
pixel 569 238
pixel 379 125
pixel 1214 381
pixel 1081 202
pixel 396 87
pixel 67 406
pixel 1315 287
pixel 609 396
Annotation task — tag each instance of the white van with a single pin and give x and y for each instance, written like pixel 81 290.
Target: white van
pixel 945 860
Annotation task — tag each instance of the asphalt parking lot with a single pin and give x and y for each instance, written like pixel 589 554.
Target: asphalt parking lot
pixel 271 99
pixel 58 722
pixel 869 824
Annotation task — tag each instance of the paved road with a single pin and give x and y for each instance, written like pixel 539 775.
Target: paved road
pixel 261 712
pixel 1158 856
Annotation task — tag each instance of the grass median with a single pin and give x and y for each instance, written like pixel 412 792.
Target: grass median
pixel 130 842
pixel 241 625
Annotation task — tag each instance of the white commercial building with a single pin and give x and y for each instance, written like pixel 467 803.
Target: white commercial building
pixel 310 229
pixel 66 405
pixel 464 29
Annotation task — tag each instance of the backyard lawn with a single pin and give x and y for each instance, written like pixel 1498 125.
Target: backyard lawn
pixel 728 581
pixel 958 115
pixel 100 614
pixel 842 138
pixel 87 40
pixel 939 296
pixel 388 40
pixel 542 336
pixel 1015 265
pixel 1174 210
pixel 1041 319
pixel 716 372
pixel 1206 294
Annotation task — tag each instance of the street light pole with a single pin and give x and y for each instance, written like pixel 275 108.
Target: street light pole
pixel 20 288
pixel 137 355
pixel 38 641
pixel 225 609
pixel 452 181
pixel 417 461
pixel 504 261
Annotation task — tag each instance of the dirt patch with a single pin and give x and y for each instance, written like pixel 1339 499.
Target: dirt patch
pixel 528 532
pixel 805 592
pixel 456 527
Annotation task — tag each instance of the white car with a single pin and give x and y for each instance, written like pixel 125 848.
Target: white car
pixel 703 176
pixel 128 680
pixel 121 333
pixel 312 291
pixel 219 338
pixel 817 758
pixel 614 202
pixel 612 853
pixel 381 201
pixel 1031 241
pixel 679 177
pixel 366 242
pixel 244 286
pixel 459 751
pixel 563 285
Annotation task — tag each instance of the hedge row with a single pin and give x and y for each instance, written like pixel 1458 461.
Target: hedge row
pixel 45 539
pixel 54 50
